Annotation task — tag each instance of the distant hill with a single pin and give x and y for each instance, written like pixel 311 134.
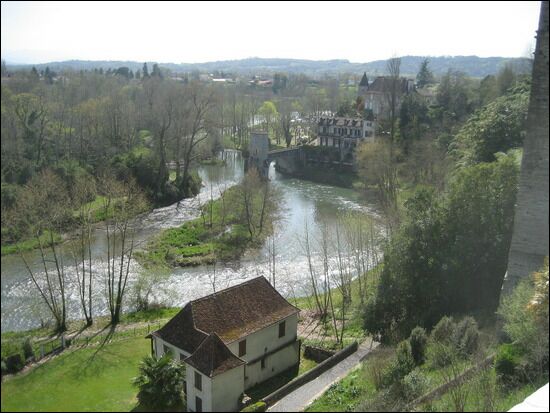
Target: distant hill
pixel 471 65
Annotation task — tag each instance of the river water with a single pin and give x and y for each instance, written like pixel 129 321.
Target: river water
pixel 305 205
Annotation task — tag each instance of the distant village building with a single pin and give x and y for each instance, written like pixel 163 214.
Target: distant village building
pixel 260 82
pixel 344 134
pixel 376 94
pixel 230 341
pixel 428 94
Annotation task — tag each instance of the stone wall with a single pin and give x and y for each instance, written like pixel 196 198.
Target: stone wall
pixel 530 237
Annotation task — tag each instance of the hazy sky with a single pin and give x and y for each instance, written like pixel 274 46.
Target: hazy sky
pixel 34 32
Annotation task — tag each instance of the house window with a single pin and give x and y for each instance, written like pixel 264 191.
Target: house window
pixel 198 381
pixel 282 329
pixel 242 348
pixel 198 404
pixel 263 363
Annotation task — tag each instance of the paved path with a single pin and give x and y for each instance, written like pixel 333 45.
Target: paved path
pixel 300 398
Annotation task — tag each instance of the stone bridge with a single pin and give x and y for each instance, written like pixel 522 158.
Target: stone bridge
pixel 287 160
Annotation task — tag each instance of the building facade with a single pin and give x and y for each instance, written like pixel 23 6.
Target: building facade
pixel 344 134
pixel 376 95
pixel 230 341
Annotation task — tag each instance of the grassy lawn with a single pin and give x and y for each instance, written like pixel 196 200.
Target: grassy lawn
pixel 90 379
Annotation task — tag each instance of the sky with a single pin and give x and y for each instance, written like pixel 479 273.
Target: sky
pixel 192 32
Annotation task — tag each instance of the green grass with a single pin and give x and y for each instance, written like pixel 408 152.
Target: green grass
pixel 98 209
pixel 214 236
pixel 345 395
pixel 480 399
pixel 12 342
pixel 30 244
pixel 90 379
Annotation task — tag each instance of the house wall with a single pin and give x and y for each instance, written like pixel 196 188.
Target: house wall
pixel 264 341
pixel 227 389
pixel 205 394
pixel 158 345
pixel 274 364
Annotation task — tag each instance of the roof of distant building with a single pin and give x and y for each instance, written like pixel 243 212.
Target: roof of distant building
pixel 364 80
pixel 212 357
pixel 383 84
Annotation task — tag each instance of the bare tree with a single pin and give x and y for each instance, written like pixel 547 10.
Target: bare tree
pixel 48 195
pixel 84 190
pixel 120 240
pixel 393 94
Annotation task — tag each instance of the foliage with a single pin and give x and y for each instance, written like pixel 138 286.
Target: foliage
pixel 449 254
pixel 466 336
pixel 507 363
pixel 414 385
pixel 255 407
pixel 419 341
pixel 27 349
pixel 443 331
pixel 402 365
pixel 496 127
pixel 424 76
pixel 160 382
pixel 525 327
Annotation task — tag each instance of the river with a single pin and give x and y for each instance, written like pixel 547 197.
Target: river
pixel 305 204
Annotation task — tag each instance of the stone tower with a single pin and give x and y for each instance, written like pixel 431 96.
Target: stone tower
pixel 530 237
pixel 258 152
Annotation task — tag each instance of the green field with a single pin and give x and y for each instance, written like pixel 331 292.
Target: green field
pixel 91 379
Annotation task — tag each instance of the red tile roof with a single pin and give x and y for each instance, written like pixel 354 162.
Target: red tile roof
pixel 232 313
pixel 212 357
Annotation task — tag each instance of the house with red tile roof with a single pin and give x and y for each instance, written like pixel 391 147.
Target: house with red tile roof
pixel 230 341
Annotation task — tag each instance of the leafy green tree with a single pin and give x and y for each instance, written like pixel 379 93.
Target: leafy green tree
pixel 145 71
pixel 413 120
pixel 487 90
pixel 506 78
pixel 419 341
pixel 497 127
pixel 160 382
pixel 449 255
pixel 424 76
pixel 156 71
pixel 268 111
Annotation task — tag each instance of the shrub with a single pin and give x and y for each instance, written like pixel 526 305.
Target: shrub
pixel 443 330
pixel 160 382
pixel 440 355
pixel 466 336
pixel 402 365
pixel 14 363
pixel 414 385
pixel 376 369
pixel 256 407
pixel 507 363
pixel 27 349
pixel 418 341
